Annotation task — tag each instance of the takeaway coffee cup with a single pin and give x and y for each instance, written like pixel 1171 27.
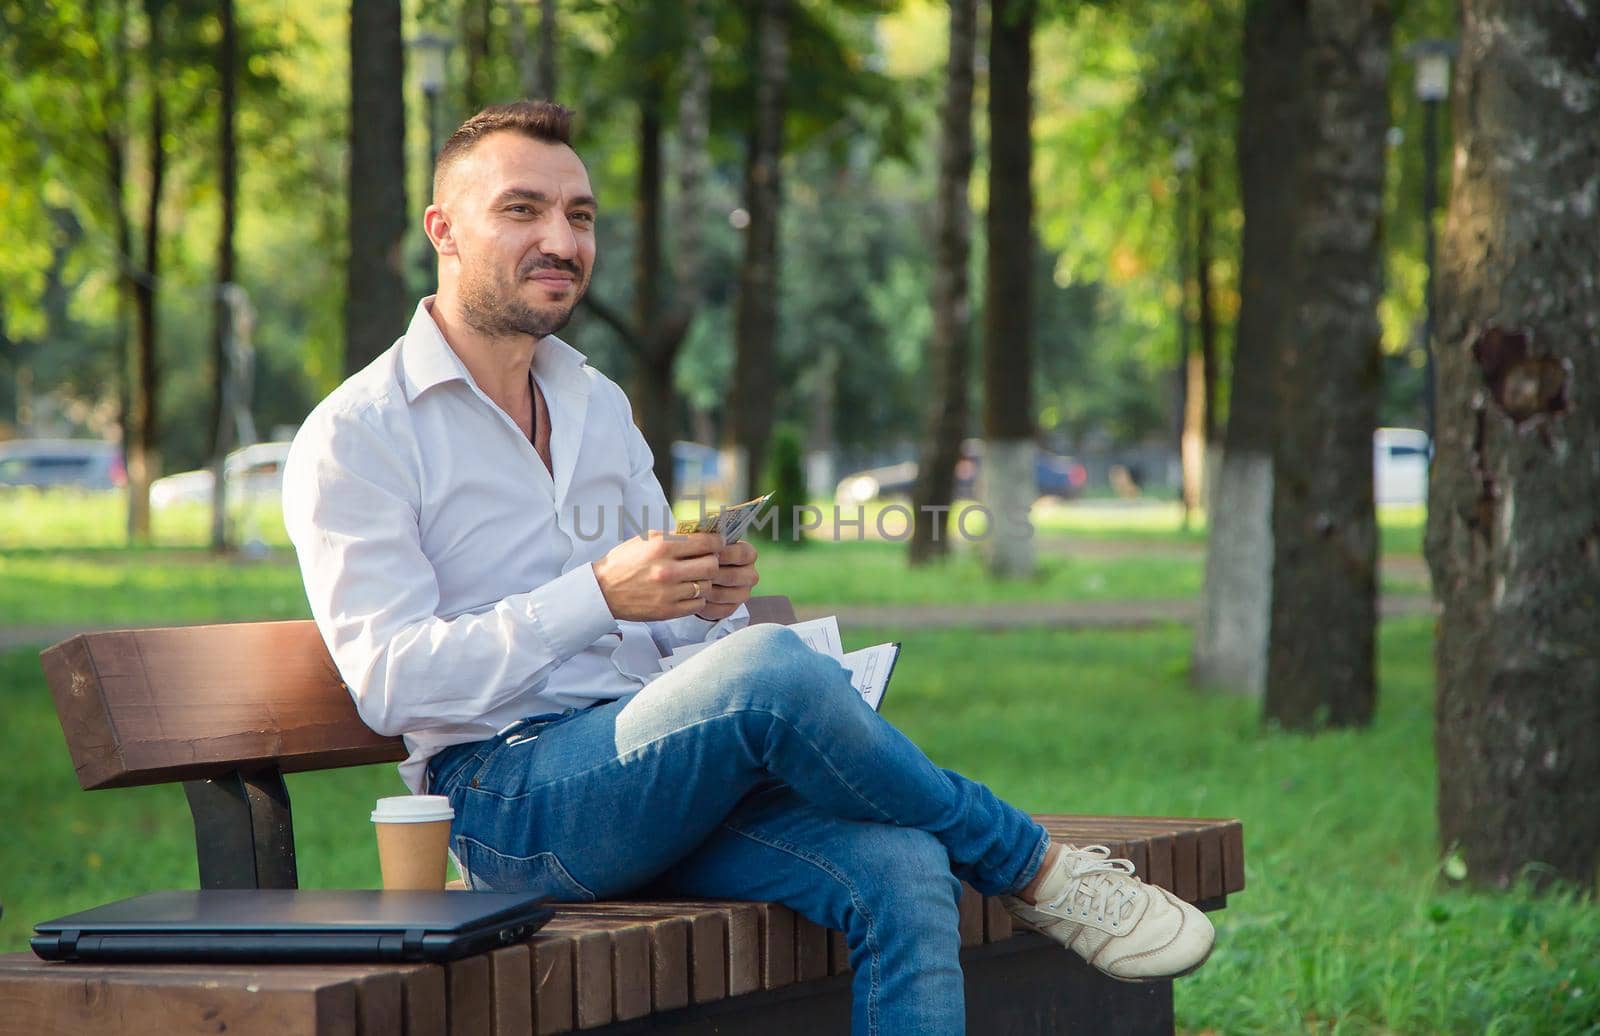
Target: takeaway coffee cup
pixel 413 831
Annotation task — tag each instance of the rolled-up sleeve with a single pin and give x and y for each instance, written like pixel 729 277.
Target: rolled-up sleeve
pixel 351 498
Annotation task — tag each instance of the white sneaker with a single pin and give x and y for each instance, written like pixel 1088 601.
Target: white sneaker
pixel 1093 905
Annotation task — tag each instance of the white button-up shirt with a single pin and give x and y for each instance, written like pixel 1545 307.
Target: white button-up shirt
pixel 448 570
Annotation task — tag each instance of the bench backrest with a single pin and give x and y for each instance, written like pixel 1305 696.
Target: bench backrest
pixel 152 706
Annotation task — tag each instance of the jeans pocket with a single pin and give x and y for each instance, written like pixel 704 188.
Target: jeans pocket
pixel 488 870
pixel 450 766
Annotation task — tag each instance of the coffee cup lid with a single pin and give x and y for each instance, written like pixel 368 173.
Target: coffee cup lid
pixel 412 809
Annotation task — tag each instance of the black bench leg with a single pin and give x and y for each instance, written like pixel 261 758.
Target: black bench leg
pixel 243 835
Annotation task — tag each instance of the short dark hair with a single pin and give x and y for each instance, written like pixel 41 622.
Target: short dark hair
pixel 541 120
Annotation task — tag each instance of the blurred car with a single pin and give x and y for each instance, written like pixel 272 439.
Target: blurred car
pixel 1400 465
pixel 251 473
pixel 1054 475
pixel 52 463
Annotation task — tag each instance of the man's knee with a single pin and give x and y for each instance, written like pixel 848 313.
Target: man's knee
pixel 771 662
pixel 902 875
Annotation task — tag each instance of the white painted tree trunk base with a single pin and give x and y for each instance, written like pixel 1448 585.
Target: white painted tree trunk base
pixel 1010 486
pixel 1230 640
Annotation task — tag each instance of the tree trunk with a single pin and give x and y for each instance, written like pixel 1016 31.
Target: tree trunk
pixel 1192 448
pixel 1513 535
pixel 1183 393
pixel 115 142
pixel 655 333
pixel 950 346
pixel 1008 479
pixel 756 315
pixel 375 300
pixel 228 184
pixel 1205 311
pixel 1230 643
pixel 652 395
pixel 545 81
pixel 475 28
pixel 694 127
pixel 1320 658
pixel 144 445
pixel 535 60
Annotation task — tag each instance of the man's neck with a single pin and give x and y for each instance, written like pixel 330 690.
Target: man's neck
pixel 499 365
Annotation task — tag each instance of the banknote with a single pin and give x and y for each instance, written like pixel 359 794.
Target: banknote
pixel 730 521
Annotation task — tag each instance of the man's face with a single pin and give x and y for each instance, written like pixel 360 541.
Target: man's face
pixel 520 215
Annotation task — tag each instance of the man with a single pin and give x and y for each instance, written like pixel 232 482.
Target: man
pixel 461 509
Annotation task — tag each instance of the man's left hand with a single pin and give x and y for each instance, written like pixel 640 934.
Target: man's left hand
pixel 736 577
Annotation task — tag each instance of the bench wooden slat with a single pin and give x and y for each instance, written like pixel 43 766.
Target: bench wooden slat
pixel 1187 855
pixel 592 1003
pixel 378 1004
pixel 666 971
pixel 511 991
pixel 810 950
pixel 467 996
pixel 1139 852
pixel 708 957
pixel 628 948
pixel 707 944
pixel 1186 865
pixel 838 954
pixel 1233 858
pixel 1211 884
pixel 997 925
pixel 175 1000
pixel 550 960
pixel 422 1000
pixel 159 705
pixel 743 948
pixel 970 916
pixel 777 945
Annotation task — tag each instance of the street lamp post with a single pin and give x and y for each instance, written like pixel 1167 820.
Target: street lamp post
pixel 1432 62
pixel 431 51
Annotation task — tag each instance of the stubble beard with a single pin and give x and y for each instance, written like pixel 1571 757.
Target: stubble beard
pixel 490 305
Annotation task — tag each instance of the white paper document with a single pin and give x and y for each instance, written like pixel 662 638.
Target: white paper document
pixel 869 668
pixel 821 635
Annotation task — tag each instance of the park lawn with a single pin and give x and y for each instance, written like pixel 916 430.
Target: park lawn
pixel 179 585
pixel 1345 924
pixel 60 519
pixel 1400 526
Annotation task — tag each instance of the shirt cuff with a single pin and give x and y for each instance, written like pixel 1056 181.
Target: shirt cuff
pixel 692 629
pixel 572 612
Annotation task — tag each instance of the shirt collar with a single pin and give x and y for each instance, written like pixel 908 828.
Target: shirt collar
pixel 426 359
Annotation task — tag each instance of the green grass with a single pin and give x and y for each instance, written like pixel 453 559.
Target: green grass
pixel 147 586
pixel 57 518
pixel 1345 924
pixel 186 584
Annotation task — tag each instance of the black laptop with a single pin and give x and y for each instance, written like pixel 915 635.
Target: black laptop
pixel 292 925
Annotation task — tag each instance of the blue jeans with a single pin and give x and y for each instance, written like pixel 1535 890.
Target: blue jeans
pixel 753 771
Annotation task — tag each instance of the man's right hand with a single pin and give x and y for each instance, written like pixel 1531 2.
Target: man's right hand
pixel 654 576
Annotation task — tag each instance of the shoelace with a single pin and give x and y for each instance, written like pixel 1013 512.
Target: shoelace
pixel 1099 885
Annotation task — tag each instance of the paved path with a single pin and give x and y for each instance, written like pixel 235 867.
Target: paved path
pixel 1000 616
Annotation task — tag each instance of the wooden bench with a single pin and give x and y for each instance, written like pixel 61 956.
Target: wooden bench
pixel 228 710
